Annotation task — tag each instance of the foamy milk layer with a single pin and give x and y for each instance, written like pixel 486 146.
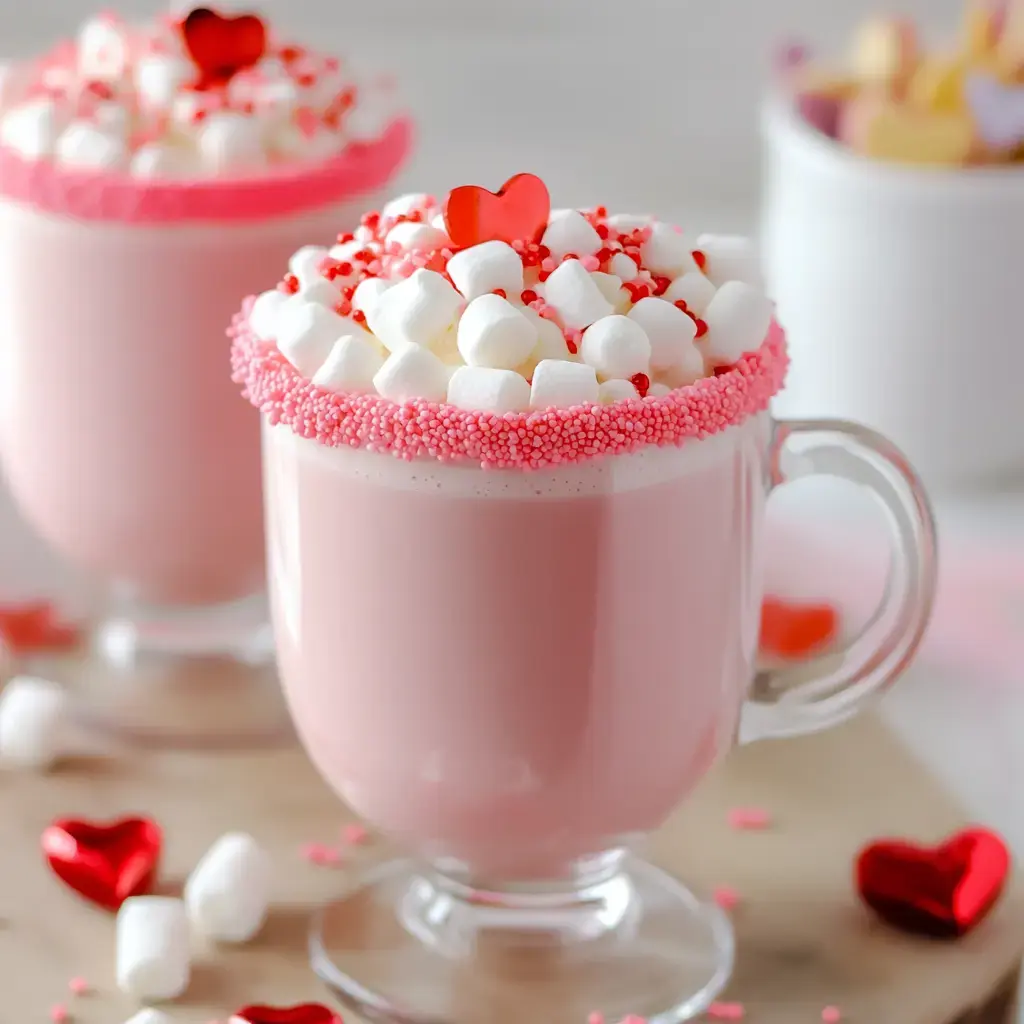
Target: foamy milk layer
pixel 610 474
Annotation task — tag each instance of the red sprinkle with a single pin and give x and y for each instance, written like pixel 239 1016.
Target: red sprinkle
pixel 528 296
pixel 702 327
pixel 726 897
pixel 642 383
pixel 35 627
pixel 749 818
pixel 291 283
pixel 700 258
pixel 498 291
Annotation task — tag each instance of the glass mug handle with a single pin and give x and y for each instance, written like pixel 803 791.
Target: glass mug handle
pixel 822 692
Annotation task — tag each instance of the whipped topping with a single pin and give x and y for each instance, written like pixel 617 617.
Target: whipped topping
pixel 601 310
pixel 135 100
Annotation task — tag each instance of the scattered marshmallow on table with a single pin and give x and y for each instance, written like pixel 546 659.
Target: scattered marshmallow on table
pixel 485 268
pixel 738 318
pixel 411 372
pixel 351 366
pixel 694 289
pixel 149 1015
pixel 307 331
pixel 485 389
pixel 668 330
pixel 264 313
pixel 415 311
pixel 667 251
pixel 575 296
pixel 616 391
pixel 33 722
pixel 228 893
pixel 616 347
pixel 492 332
pixel 153 950
pixel 561 383
pixel 568 231
pixel 730 258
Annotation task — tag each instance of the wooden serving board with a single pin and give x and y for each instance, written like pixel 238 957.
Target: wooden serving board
pixel 804 941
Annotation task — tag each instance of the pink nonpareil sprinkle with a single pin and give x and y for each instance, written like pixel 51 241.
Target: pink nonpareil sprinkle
pixel 749 818
pixel 726 897
pixel 726 1011
pixel 79 987
pixel 355 835
pixel 320 854
pixel 59 1014
pixel 596 1018
pixel 831 1015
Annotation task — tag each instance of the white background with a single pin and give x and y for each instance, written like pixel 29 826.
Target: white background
pixel 645 105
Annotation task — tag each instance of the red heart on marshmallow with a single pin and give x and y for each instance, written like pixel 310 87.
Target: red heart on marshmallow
pixel 220 47
pixel 517 212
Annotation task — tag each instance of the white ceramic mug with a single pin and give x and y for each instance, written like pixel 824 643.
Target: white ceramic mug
pixel 901 291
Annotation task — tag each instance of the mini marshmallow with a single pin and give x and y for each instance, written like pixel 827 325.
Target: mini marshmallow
pixel 102 49
pixel 344 252
pixel 616 347
pixel 550 339
pixel 738 318
pixel 688 367
pixel 485 389
pixel 492 332
pixel 403 205
pixel 84 146
pixel 263 316
pixel 32 129
pixel 307 331
pixel 568 231
pixel 414 237
pixel 33 722
pixel 415 311
pixel 368 293
pixel 149 1015
pixel 277 99
pixel 290 142
pixel 351 366
pixel 628 221
pixel 667 251
pixel 731 258
pixel 165 161
pixel 611 391
pixel 153 954
pixel 624 268
pixel 694 289
pixel 667 328
pixel 322 291
pixel 611 288
pixel 658 390
pixel 159 78
pixel 575 296
pixel 305 264
pixel 14 81
pixel 228 893
pixel 231 144
pixel 412 372
pixel 113 118
pixel 483 268
pixel 558 382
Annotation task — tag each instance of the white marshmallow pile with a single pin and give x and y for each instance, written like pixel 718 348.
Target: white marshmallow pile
pixel 122 100
pixel 226 899
pixel 33 723
pixel 486 331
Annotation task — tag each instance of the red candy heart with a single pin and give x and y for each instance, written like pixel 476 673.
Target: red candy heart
pixel 307 1013
pixel 942 891
pixel 104 863
pixel 221 47
pixel 796 630
pixel 35 627
pixel 517 213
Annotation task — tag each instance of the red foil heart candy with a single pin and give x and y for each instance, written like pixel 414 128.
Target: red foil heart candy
pixel 517 212
pixel 306 1013
pixel 220 47
pixel 941 891
pixel 106 864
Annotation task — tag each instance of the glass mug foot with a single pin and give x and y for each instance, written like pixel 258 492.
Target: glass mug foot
pixel 197 678
pixel 408 945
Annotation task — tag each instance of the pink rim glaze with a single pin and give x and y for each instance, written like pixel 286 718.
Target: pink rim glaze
pixel 358 169
pixel 529 440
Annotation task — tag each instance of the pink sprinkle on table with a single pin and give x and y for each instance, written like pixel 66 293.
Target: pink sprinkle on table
pixel 596 1018
pixel 831 1015
pixel 749 818
pixel 726 897
pixel 726 1011
pixel 355 835
pixel 59 1014
pixel 320 854
pixel 79 986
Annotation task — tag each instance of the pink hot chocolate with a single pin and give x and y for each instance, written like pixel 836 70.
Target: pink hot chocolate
pixel 121 437
pixel 510 640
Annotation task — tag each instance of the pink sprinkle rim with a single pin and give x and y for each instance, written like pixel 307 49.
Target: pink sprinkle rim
pixel 360 168
pixel 530 440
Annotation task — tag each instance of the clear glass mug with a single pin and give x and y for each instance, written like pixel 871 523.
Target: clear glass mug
pixel 122 438
pixel 518 676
